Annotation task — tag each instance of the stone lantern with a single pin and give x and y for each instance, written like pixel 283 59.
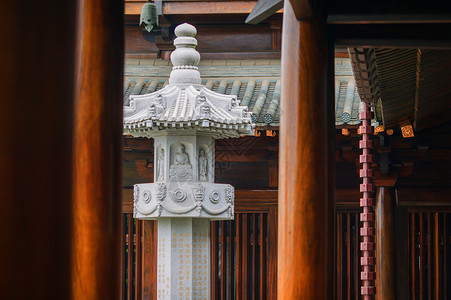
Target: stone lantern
pixel 185 118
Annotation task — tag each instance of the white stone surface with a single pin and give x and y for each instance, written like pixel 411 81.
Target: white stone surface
pixel 181 200
pixel 183 259
pixel 193 108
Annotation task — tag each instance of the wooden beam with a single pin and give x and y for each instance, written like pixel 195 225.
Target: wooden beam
pixel 400 35
pixel 195 7
pixel 306 206
pixel 263 10
pixel 388 19
pixel 415 196
pixel 98 149
pixel 385 244
pixel 37 84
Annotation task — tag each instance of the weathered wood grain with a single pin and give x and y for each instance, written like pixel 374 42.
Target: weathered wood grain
pixel 98 149
pixel 385 244
pixel 305 202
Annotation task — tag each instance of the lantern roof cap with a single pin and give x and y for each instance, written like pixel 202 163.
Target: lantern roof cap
pixel 184 102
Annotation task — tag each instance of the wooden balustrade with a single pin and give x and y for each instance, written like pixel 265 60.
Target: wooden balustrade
pixel 241 257
pixel 347 254
pixel 430 254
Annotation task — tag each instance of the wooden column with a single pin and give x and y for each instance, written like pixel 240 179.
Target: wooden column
pixel 37 83
pixel 306 206
pixel 385 244
pixel 98 140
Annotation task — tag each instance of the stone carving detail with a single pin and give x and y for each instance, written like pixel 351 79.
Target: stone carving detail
pixel 199 192
pixel 215 197
pixel 161 192
pixel 200 100
pixel 159 208
pixel 203 165
pixel 181 167
pixel 230 211
pixel 205 111
pixel 199 208
pixel 156 108
pixel 147 196
pixel 135 193
pixel 229 194
pixel 179 195
pixel 160 165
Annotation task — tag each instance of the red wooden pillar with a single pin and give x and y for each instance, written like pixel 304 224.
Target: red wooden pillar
pixel 98 140
pixel 385 243
pixel 37 83
pixel 306 206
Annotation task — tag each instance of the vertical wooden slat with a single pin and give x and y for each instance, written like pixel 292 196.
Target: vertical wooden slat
pixel 149 260
pixel 429 248
pixel 445 254
pixel 262 238
pixel 130 255
pixel 223 260
pixel 245 257
pixel 436 257
pixel 254 256
pixel 339 257
pixel 123 254
pixel 238 252
pixel 413 257
pixel 138 259
pixel 356 258
pixel 421 249
pixel 214 260
pixel 231 257
pixel 348 255
pixel 272 255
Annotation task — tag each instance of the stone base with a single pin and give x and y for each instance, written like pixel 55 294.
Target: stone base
pixel 213 201
pixel 183 259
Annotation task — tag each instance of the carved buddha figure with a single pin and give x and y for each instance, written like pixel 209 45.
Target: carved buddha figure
pixel 180 167
pixel 181 157
pixel 161 165
pixel 202 165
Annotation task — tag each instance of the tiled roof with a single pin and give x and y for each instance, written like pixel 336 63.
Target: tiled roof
pixel 259 90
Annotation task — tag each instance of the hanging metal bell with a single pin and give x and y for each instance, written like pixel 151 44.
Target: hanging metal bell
pixel 149 16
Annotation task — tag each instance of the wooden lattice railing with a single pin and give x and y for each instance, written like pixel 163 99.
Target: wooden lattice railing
pixel 430 254
pixel 242 257
pixel 347 254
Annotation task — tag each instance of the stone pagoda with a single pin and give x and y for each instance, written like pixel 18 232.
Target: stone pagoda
pixel 185 118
